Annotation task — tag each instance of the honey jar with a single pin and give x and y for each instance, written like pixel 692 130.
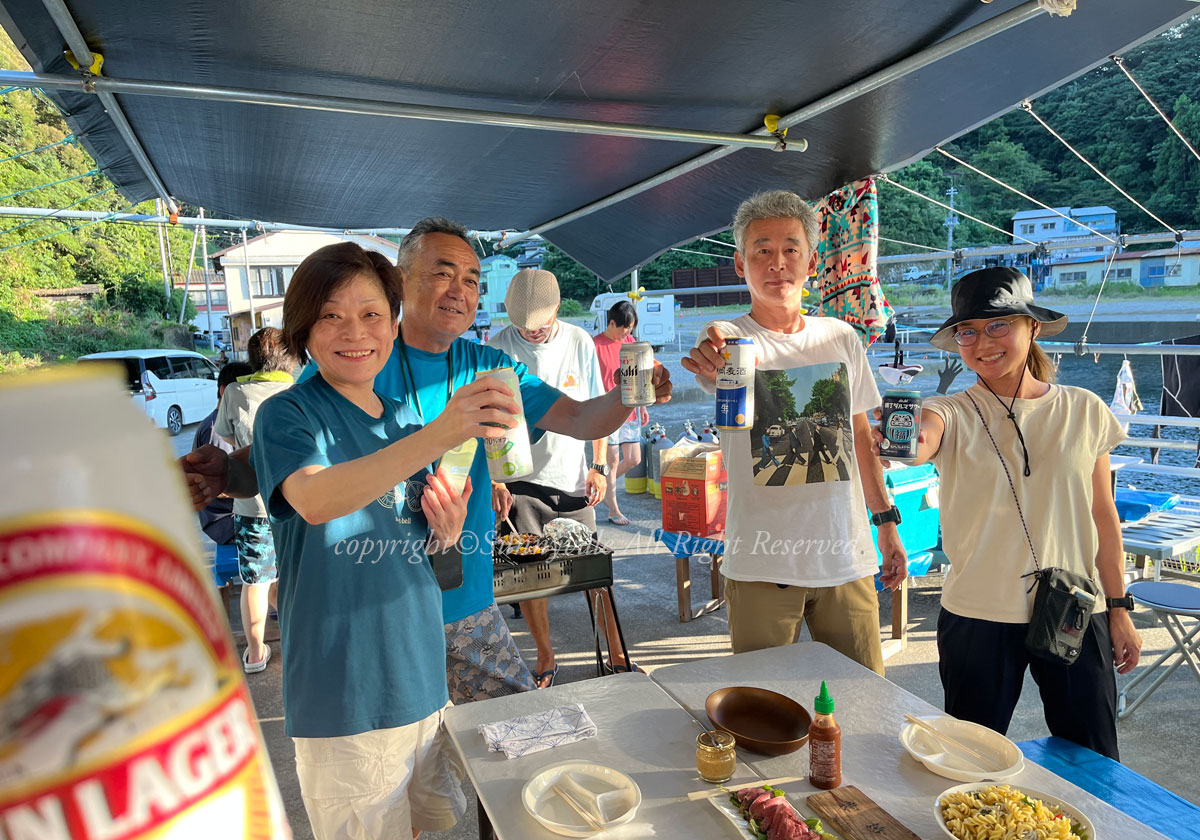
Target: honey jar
pixel 715 756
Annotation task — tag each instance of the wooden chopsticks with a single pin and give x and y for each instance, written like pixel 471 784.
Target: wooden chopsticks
pixel 579 809
pixel 983 762
pixel 782 780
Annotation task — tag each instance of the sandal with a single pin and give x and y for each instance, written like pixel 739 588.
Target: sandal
pixel 259 666
pixel 619 520
pixel 538 676
pixel 628 668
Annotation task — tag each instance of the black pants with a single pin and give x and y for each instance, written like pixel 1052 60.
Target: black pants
pixel 535 505
pixel 982 665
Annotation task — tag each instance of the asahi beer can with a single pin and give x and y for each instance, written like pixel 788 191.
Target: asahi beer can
pixel 900 425
pixel 637 374
pixel 125 714
pixel 735 385
pixel 510 456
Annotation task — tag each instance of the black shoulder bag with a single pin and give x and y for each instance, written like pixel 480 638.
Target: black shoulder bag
pixel 1063 603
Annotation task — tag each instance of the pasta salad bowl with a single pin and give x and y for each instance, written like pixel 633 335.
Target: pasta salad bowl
pixel 986 810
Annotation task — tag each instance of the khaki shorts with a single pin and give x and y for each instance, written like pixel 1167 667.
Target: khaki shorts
pixel 383 784
pixel 846 617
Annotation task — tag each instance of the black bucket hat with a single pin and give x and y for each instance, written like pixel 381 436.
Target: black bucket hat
pixel 993 293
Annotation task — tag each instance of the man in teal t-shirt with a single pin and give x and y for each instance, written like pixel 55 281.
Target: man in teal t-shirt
pixel 431 359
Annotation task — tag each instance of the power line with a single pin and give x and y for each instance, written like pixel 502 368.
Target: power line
pixel 887 180
pixel 1120 62
pixel 70 138
pixel 915 245
pixel 1027 106
pixel 87 174
pixel 1013 189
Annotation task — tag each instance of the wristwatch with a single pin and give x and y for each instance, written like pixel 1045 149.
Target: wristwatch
pixel 1125 601
pixel 600 468
pixel 889 515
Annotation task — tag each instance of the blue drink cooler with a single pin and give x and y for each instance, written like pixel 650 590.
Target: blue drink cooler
pixel 914 492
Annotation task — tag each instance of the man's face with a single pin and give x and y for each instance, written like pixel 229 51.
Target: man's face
pixel 617 332
pixel 441 288
pixel 540 335
pixel 777 261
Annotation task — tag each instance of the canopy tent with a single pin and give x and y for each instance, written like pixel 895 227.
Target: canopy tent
pixel 704 65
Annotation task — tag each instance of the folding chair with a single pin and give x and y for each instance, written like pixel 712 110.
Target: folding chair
pixel 1170 603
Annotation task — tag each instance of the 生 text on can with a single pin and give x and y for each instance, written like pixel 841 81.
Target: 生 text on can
pixel 900 424
pixel 637 374
pixel 735 385
pixel 509 457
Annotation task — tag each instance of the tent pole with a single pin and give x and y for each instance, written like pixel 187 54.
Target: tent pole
pixel 187 275
pixel 955 43
pixel 83 55
pixel 162 254
pixel 249 283
pixel 207 283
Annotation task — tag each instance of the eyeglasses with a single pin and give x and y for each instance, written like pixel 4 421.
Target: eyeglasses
pixel 994 329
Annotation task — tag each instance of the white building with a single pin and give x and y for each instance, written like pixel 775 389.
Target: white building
pixel 1162 267
pixel 1043 226
pixel 273 258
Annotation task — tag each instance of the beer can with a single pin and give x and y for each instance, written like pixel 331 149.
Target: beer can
pixel 124 706
pixel 510 456
pixel 901 423
pixel 735 385
pixel 637 374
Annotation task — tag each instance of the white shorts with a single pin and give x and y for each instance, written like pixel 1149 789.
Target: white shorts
pixel 629 432
pixel 382 784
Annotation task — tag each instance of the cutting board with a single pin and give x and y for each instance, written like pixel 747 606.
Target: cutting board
pixel 855 816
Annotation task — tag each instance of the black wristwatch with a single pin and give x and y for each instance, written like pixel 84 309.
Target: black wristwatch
pixel 889 515
pixel 1125 601
pixel 600 468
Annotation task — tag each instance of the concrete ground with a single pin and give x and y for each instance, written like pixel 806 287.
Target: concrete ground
pixel 1160 740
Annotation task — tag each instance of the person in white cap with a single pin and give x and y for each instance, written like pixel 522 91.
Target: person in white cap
pixel 563 483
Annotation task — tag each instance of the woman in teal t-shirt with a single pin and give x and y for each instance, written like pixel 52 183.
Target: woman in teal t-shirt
pixel 355 511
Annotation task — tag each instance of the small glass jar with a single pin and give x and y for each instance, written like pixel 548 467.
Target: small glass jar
pixel 715 756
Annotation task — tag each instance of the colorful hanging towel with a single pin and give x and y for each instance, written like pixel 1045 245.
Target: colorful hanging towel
pixel 849 245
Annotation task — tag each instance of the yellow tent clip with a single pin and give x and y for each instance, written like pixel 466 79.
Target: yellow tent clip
pixel 771 121
pixel 97 61
pixel 636 296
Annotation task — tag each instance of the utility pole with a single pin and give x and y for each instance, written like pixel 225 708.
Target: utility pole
pixel 951 223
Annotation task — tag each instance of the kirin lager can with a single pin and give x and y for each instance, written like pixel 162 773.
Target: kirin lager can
pixel 510 456
pixel 123 711
pixel 900 425
pixel 637 374
pixel 735 385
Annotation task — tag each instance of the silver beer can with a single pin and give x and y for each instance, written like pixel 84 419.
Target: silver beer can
pixel 509 457
pixel 637 374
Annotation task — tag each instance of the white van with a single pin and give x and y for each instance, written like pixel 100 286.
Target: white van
pixel 173 387
pixel 656 317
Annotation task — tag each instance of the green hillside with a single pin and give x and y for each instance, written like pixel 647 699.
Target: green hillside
pixel 52 254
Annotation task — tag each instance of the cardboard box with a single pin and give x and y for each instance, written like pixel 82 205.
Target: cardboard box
pixel 695 489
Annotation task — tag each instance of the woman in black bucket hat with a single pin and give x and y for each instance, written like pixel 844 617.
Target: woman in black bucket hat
pixel 1015 433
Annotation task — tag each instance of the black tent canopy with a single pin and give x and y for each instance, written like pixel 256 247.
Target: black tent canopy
pixel 191 79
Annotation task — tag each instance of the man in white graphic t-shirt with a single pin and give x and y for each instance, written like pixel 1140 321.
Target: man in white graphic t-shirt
pixel 797 537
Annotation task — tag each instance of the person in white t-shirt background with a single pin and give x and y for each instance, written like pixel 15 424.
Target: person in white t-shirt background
pixel 563 483
pixel 1053 443
pixel 797 542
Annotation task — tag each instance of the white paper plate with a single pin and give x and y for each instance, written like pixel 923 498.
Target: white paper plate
pixel 733 813
pixel 1048 799
pixel 603 791
pixel 946 761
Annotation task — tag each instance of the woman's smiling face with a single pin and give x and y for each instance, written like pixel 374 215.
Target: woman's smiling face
pixel 354 334
pixel 991 354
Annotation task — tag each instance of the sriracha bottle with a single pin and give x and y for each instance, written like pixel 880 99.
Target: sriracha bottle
pixel 824 744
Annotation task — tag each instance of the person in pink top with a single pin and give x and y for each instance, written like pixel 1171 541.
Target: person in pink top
pixel 624 447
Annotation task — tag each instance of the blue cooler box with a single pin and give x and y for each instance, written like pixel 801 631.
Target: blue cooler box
pixel 914 492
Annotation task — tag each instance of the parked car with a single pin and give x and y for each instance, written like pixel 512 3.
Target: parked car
pixel 482 319
pixel 203 340
pixel 173 387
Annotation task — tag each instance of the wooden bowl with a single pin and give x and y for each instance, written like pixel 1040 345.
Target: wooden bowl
pixel 762 721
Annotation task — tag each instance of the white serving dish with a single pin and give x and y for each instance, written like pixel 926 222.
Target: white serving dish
pixel 609 795
pixel 946 761
pixel 1051 801
pixel 741 826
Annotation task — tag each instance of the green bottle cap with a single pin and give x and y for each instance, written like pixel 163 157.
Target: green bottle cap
pixel 823 703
